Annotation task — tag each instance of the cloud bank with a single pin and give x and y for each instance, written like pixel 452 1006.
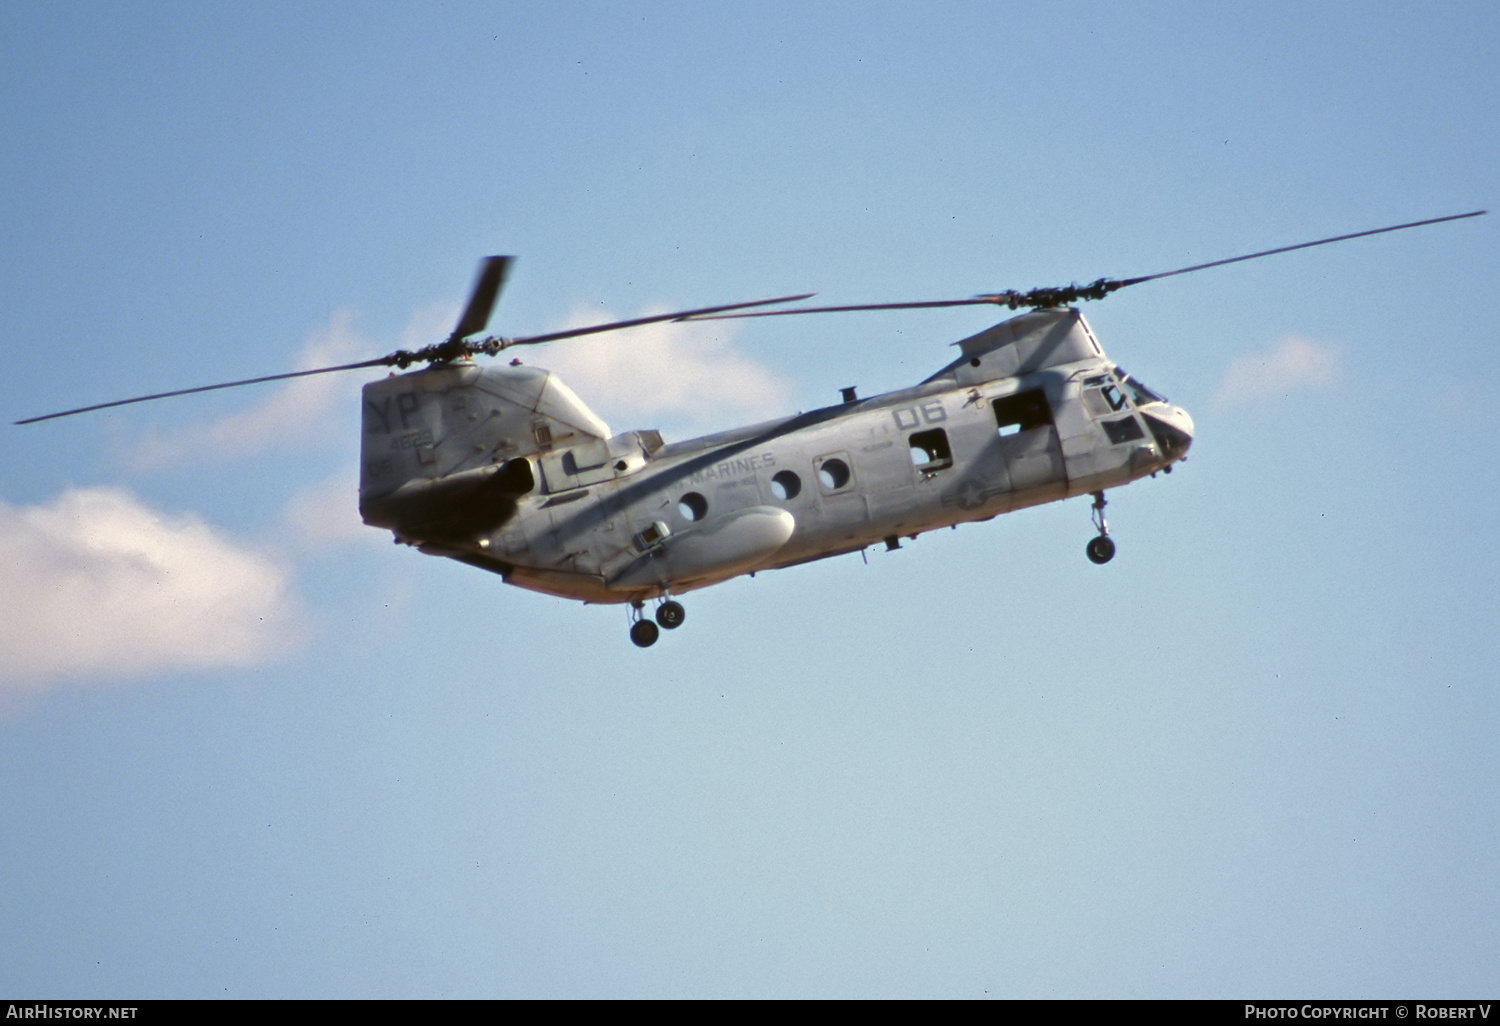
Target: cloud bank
pixel 97 585
pixel 1293 364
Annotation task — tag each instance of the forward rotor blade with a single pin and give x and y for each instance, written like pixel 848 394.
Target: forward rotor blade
pixel 379 362
pixel 680 315
pixel 492 274
pixel 1059 296
pixel 1301 245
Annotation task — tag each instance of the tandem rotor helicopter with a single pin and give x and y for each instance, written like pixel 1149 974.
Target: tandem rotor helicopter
pixel 504 467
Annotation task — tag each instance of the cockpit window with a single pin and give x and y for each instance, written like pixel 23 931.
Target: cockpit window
pixel 1139 393
pixel 1104 398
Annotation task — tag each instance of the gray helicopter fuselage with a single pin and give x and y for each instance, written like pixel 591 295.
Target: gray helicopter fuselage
pixel 505 469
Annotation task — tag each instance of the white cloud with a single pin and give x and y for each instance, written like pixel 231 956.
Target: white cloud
pixel 431 323
pixel 97 585
pixel 327 514
pixel 1293 364
pixel 675 369
pixel 681 371
pixel 302 411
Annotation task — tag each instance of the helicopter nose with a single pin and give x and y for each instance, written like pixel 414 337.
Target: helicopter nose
pixel 1172 428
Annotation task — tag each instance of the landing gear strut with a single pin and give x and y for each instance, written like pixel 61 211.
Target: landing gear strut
pixel 669 614
pixel 1101 549
pixel 642 631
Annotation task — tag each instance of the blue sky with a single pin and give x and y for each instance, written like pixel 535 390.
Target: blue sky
pixel 249 748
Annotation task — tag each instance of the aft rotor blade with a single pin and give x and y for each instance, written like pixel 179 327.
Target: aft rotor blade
pixel 927 305
pixel 450 350
pixel 492 274
pixel 379 362
pixel 680 315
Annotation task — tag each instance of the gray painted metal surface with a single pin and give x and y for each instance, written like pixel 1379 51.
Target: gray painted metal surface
pixel 506 469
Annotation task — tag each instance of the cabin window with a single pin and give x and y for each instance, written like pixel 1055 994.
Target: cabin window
pixel 692 506
pixel 786 485
pixel 929 450
pixel 1023 411
pixel 834 473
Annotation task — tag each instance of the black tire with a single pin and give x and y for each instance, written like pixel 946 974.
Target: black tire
pixel 644 633
pixel 1101 549
pixel 670 614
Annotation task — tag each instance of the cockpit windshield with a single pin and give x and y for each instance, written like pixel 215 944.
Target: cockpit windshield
pixel 1140 395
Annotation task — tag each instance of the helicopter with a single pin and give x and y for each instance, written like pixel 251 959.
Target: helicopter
pixel 504 468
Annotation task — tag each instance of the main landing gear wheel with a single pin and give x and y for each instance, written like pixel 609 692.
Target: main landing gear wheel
pixel 1101 549
pixel 670 614
pixel 644 633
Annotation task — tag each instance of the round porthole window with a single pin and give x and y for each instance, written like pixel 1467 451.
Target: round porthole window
pixel 833 474
pixel 692 506
pixel 785 485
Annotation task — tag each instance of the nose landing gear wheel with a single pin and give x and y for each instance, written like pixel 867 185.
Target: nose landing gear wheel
pixel 1101 550
pixel 670 614
pixel 644 633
